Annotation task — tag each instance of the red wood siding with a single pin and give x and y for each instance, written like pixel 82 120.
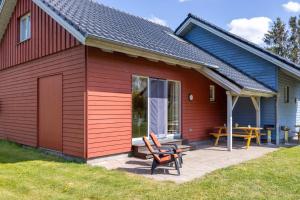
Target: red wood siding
pixel 19 99
pixel 47 37
pixel 109 101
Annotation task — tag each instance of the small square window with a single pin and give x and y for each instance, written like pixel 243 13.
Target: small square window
pixel 25 27
pixel 286 94
pixel 212 93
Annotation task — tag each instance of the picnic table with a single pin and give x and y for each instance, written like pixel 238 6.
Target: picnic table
pixel 241 132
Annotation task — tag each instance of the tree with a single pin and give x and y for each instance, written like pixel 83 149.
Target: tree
pixel 294 39
pixel 277 39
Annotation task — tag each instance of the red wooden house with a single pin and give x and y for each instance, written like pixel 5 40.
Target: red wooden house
pixel 88 81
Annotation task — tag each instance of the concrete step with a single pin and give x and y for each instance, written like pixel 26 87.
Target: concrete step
pixel 141 151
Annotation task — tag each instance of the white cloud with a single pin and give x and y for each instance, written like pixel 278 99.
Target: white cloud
pixel 182 1
pixel 252 29
pixel 157 20
pixel 292 6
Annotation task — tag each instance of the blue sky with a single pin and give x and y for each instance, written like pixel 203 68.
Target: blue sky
pixel 247 18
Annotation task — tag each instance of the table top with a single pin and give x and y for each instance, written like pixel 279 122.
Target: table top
pixel 240 128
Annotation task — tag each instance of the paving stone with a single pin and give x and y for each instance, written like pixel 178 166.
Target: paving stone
pixel 196 164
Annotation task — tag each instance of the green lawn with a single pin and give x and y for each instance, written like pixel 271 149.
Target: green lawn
pixel 28 174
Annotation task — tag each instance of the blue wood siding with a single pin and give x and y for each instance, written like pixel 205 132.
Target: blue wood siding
pixel 268 113
pixel 289 112
pixel 254 66
pixel 244 112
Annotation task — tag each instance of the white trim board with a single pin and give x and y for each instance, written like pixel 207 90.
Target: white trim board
pixel 228 85
pixel 6 10
pixel 81 38
pixel 238 43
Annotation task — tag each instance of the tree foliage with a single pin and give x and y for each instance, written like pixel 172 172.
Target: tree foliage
pixel 284 40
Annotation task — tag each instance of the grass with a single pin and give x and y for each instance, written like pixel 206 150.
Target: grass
pixel 29 174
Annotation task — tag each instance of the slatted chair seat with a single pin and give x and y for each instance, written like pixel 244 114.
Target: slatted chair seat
pixel 162 158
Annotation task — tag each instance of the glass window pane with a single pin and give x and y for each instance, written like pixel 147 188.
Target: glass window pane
pixel 28 30
pixel 25 28
pixel 139 107
pixel 173 107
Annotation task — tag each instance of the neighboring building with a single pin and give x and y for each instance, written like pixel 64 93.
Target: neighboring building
pixel 272 71
pixel 89 81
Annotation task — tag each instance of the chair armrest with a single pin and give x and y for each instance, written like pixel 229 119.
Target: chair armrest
pixel 163 153
pixel 166 148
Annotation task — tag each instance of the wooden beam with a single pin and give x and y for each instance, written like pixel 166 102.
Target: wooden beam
pixel 235 100
pixel 254 101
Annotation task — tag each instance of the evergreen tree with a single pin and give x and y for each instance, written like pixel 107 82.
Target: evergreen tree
pixel 277 39
pixel 293 40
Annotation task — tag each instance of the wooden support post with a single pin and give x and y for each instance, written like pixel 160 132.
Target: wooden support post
pixel 286 137
pixel 269 137
pixel 278 130
pixel 229 121
pixel 256 103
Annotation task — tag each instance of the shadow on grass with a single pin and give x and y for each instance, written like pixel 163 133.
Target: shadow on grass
pixel 13 153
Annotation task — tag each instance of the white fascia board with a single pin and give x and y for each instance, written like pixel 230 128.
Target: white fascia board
pixel 81 38
pixel 240 44
pixel 233 88
pixel 226 84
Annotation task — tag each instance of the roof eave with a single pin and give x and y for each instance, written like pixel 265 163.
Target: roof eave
pixel 6 10
pixel 234 88
pixel 109 45
pixel 191 20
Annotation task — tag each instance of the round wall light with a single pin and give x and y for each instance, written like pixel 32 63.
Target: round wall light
pixel 191 97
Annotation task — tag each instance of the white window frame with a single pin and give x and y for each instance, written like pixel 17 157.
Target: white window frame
pixel 25 30
pixel 212 93
pixel 175 136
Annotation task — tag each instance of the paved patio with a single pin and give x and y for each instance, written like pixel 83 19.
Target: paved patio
pixel 197 163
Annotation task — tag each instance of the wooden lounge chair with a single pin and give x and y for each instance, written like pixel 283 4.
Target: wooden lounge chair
pixel 167 148
pixel 162 158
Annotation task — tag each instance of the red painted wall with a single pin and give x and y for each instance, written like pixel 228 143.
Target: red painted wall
pixel 109 100
pixel 47 37
pixel 19 99
pixel 51 50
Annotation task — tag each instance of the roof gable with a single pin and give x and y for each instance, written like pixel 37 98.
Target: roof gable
pixel 250 47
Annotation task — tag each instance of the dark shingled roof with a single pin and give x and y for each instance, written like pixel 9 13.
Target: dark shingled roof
pixel 92 19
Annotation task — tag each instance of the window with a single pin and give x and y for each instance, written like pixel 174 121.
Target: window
pixel 25 27
pixel 139 106
pixel 212 93
pixel 286 94
pixel 173 107
pixel 155 107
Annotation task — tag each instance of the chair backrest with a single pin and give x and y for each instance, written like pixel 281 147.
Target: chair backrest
pixel 155 140
pixel 150 148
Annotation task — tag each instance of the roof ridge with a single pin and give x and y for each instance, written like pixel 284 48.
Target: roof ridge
pixel 243 40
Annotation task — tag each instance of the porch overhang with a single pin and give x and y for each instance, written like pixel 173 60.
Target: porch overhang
pixel 235 89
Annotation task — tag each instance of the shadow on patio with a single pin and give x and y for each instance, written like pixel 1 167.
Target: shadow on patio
pixel 197 163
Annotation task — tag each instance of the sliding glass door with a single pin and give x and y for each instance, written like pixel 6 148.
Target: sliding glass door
pixel 158 115
pixel 155 107
pixel 174 107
